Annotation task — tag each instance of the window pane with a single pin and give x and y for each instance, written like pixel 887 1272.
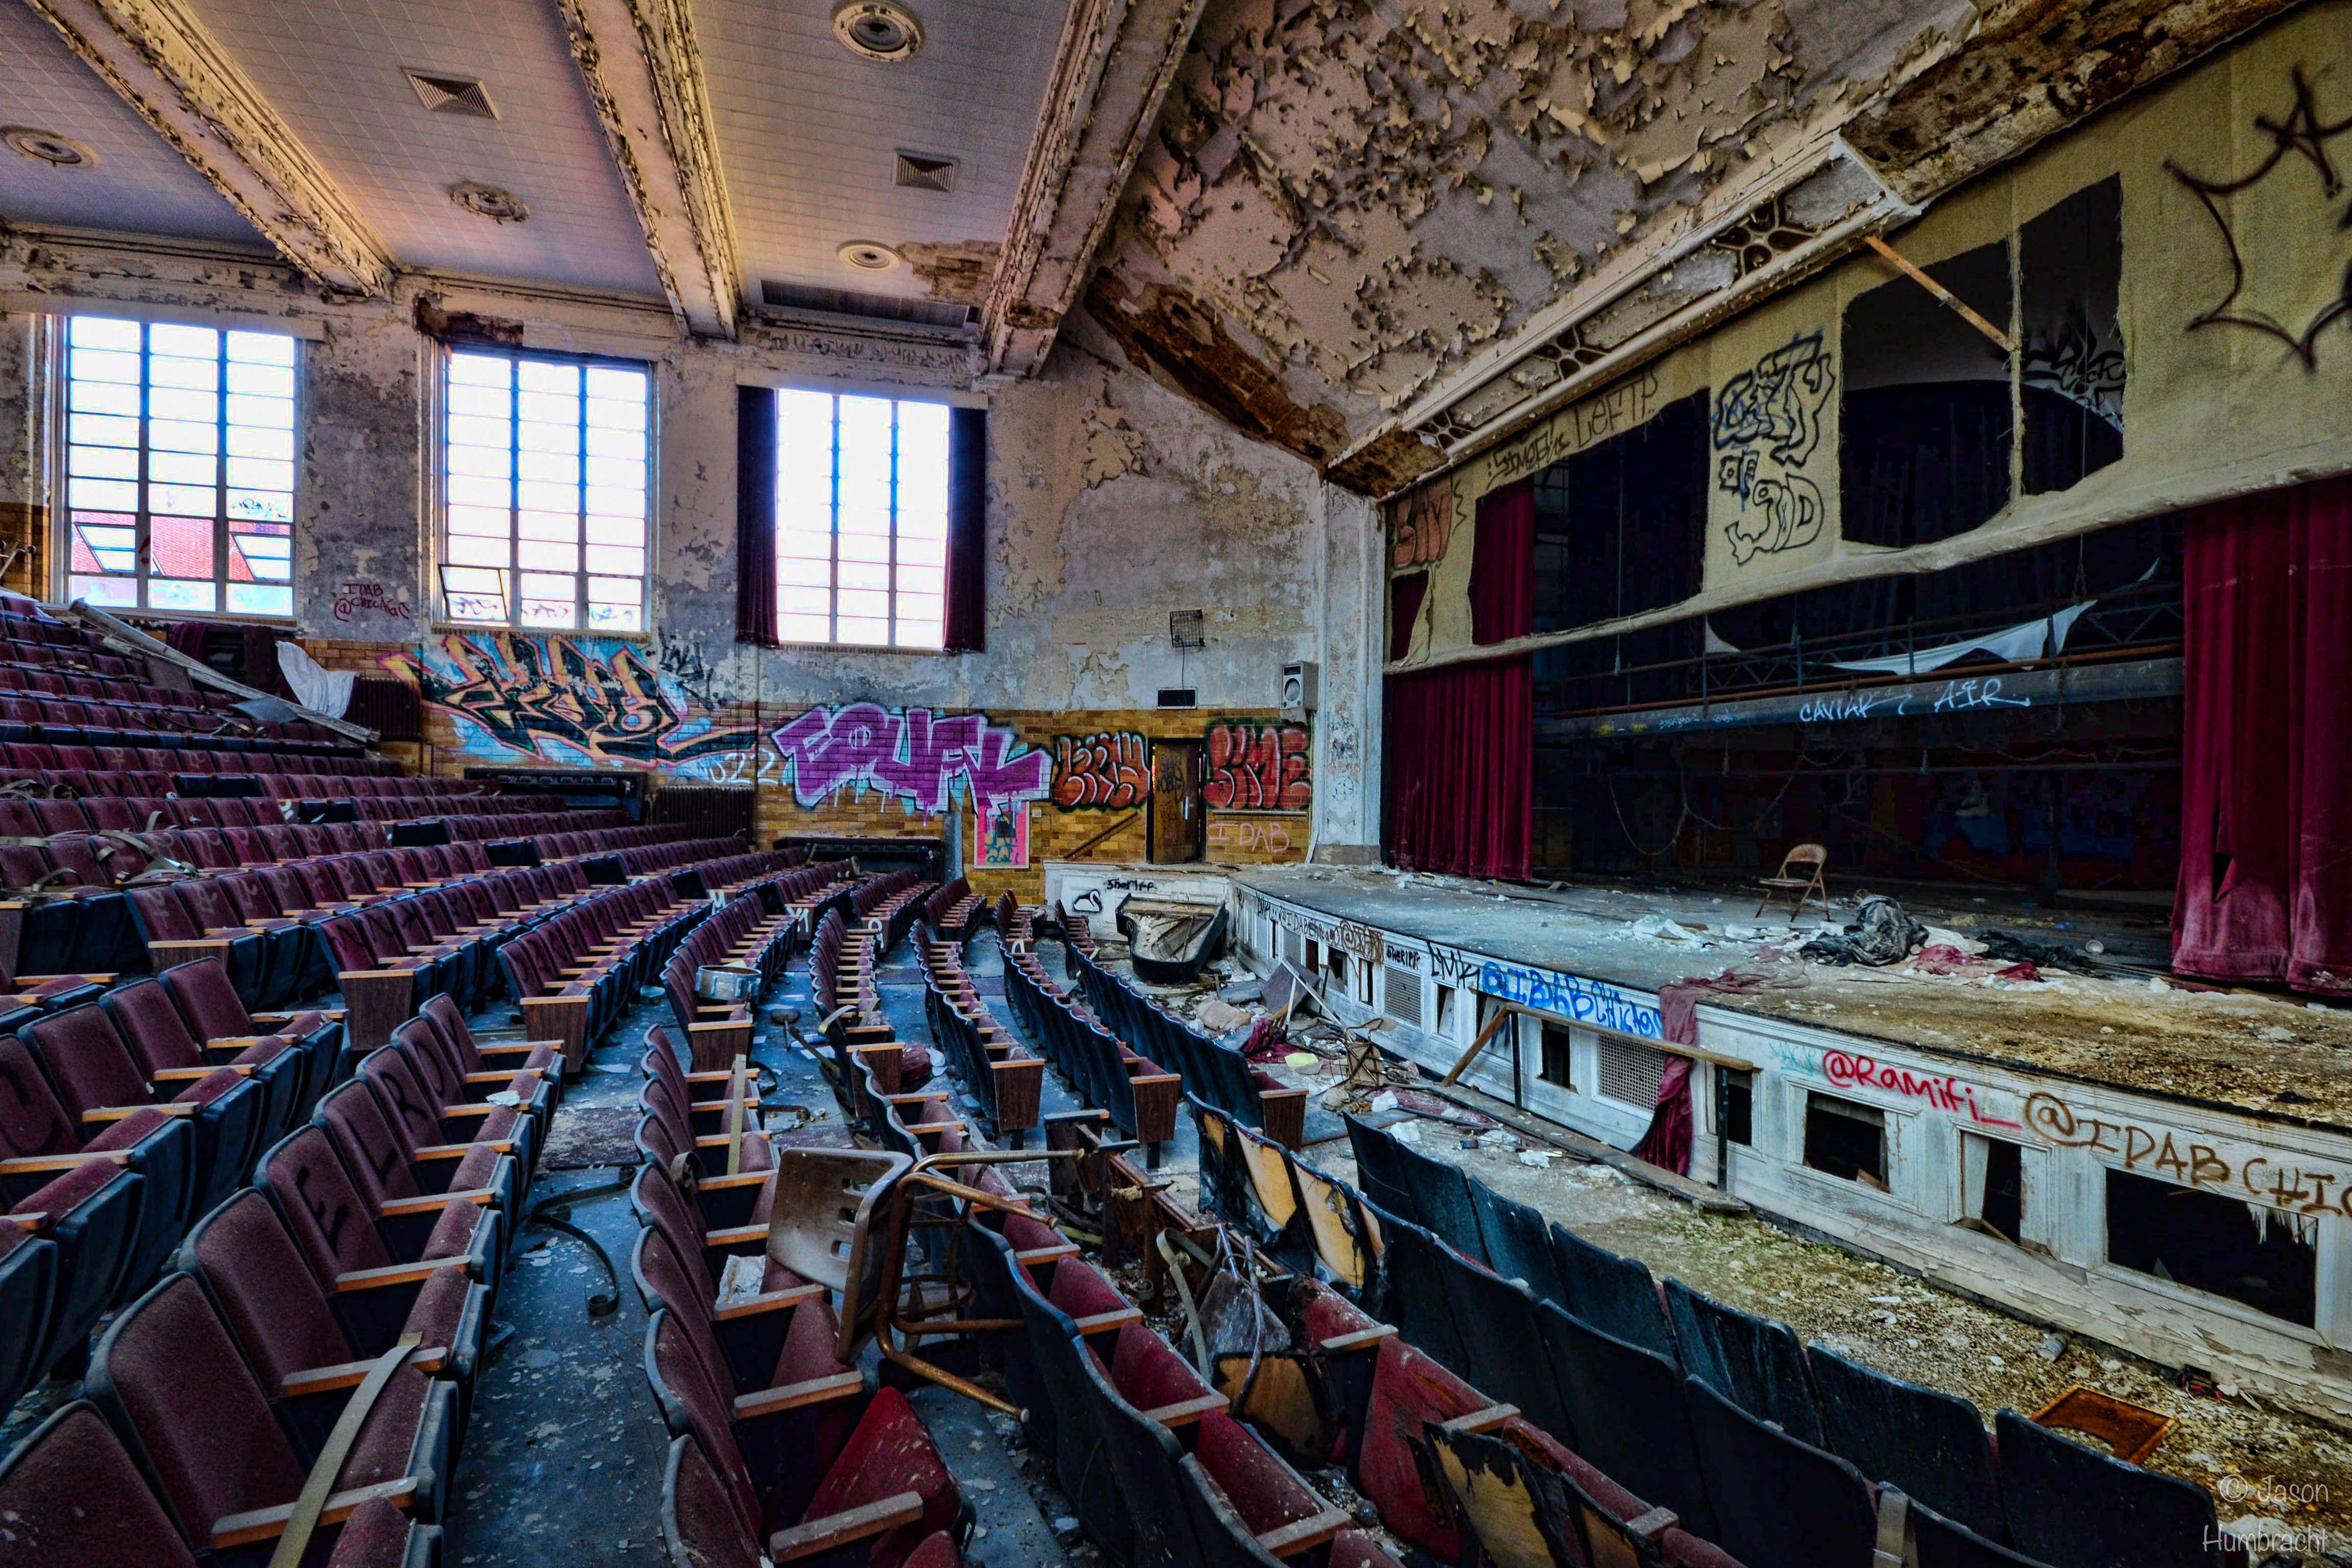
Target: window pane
pixel 560 467
pixel 103 590
pixel 168 595
pixel 615 618
pixel 609 503
pixel 97 365
pixel 804 601
pixel 183 435
pixel 864 546
pixel 201 375
pixel 921 554
pixel 545 436
pixel 560 614
pixel 103 332
pixel 606 414
pixel 465 490
pixel 804 628
pixel 628 530
pixel 864 603
pixel 188 342
pixel 629 385
pixel 267 380
pixel 546 525
pixel 538 495
pixel 102 462
pixel 547 555
pixel 615 591
pixel 170 403
pixel 101 430
pixel 490 462
pixel 549 586
pixel 468 549
pixel 181 546
pixel 617 559
pixel 618 473
pixel 261 348
pixel 480 520
pixel 271 413
pixel 103 495
pixel 184 500
pixel 243 441
pixel 865 632
pixel 260 599
pixel 535 376
pixel 191 469
pixel 102 397
pixel 865 575
pixel 260 551
pixel 467 430
pixel 266 506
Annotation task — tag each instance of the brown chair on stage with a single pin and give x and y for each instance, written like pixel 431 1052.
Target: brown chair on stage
pixel 1800 876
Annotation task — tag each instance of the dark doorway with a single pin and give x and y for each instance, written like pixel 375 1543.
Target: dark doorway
pixel 1179 822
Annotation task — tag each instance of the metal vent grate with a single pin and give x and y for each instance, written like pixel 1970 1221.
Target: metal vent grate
pixel 453 94
pixel 1631 1073
pixel 1400 996
pixel 923 171
pixel 871 307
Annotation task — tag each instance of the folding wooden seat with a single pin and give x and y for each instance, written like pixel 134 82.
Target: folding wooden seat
pixel 1528 1499
pixel 877 1502
pixel 167 1051
pixel 113 814
pixel 1780 1502
pixel 227 1465
pixel 779 1337
pixel 2071 1506
pixel 388 1166
pixel 193 811
pixel 73 758
pixel 444 1075
pixel 209 848
pixel 208 1001
pixel 98 1083
pixel 232 811
pixel 1753 1362
pixel 484 1054
pixel 173 934
pixel 1935 1542
pixel 283 945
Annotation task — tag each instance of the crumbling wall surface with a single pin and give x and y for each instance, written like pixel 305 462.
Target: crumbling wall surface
pixel 359 543
pixel 1361 193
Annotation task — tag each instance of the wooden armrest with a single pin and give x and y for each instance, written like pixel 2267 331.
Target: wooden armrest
pixel 350 1374
pixel 1305 1534
pixel 1044 1254
pixel 117 1112
pixel 766 1302
pixel 1267 1094
pixel 735 1235
pixel 242 1042
pixel 53 979
pixel 815 1535
pixel 1484 1420
pixel 191 1075
pixel 268 1523
pixel 1104 1323
pixel 36 1222
pixel 427 1204
pixel 505 1047
pixel 1653 1524
pixel 793 1395
pixel 1186 1412
pixel 1356 1341
pixel 459 1150
pixel 468 1108
pixel 41 1164
pixel 333 1015
pixel 722 1183
pixel 1144 1078
pixel 503 1075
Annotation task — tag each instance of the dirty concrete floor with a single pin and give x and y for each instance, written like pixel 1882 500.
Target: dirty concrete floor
pixel 566 1449
pixel 1898 1325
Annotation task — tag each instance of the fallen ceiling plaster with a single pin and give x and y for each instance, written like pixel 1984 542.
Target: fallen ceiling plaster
pixel 956 273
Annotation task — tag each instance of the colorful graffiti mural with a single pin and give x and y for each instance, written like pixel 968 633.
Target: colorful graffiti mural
pixel 914 754
pixel 579 701
pixel 1110 771
pixel 1258 765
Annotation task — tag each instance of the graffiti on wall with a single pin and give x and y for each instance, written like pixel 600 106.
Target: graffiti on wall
pixel 577 700
pixel 1423 526
pixel 914 755
pixel 2295 283
pixel 1766 428
pixel 1258 765
pixel 1232 835
pixel 1110 771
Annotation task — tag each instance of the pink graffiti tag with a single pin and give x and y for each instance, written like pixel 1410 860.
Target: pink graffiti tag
pixel 917 756
pixel 1943 1093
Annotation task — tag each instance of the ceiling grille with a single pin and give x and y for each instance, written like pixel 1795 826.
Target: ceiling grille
pixel 922 172
pixel 872 307
pixel 453 95
pixel 1401 997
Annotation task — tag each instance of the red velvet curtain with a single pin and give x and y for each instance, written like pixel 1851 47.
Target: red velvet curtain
pixel 2265 891
pixel 967 605
pixel 755 516
pixel 1461 739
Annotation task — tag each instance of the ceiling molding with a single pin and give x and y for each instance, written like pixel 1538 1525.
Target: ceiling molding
pixel 1113 68
pixel 642 67
pixel 168 66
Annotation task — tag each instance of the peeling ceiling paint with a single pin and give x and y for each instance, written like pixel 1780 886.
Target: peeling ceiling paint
pixel 1355 195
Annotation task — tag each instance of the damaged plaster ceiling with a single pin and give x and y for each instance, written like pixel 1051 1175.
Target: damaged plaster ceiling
pixel 1369 230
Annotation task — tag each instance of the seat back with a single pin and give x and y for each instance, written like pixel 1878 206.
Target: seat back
pixel 1779 1502
pixel 1928 1444
pixel 74 1497
pixel 1626 1406
pixel 1615 1294
pixel 2072 1507
pixel 323 1212
pixel 262 1288
pixel 1753 1362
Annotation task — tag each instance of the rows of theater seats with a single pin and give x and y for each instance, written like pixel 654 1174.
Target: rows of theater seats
pixel 44 657
pixel 1666 1400
pixel 1135 1091
pixel 770 900
pixel 1006 1082
pixel 375 1230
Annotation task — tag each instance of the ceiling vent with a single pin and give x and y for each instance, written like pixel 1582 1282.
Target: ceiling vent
pixel 922 172
pixel 880 30
pixel 871 307
pixel 868 254
pixel 60 151
pixel 453 94
pixel 489 202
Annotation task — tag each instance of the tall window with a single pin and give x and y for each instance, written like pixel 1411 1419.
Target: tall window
pixel 861 520
pixel 544 477
pixel 178 467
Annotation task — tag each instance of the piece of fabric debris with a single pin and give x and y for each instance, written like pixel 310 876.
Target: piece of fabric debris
pixel 1265 1042
pixel 1883 932
pixel 742 1279
pixel 2010 948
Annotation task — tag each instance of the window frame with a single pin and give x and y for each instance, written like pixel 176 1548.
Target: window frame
pixel 893 395
pixel 54 414
pixel 438 438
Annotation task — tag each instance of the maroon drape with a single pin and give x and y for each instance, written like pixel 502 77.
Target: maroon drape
pixel 188 638
pixel 755 516
pixel 1667 1143
pixel 2265 889
pixel 1503 566
pixel 1461 739
pixel 967 607
pixel 1406 594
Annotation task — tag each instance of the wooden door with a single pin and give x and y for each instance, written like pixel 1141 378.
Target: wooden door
pixel 1179 823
